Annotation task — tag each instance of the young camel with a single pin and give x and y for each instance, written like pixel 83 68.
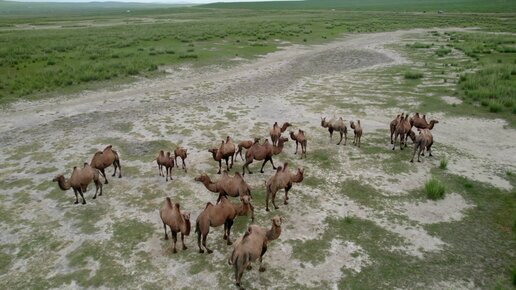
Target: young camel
pixel 336 125
pixel 79 181
pixel 424 140
pixel 180 152
pixel 393 125
pixel 225 151
pixel 263 152
pixel 252 246
pixel 300 139
pixel 165 161
pixel 357 130
pixel 178 222
pixel 245 144
pixel 282 179
pixel 421 123
pixel 223 213
pixel 276 131
pixel 233 186
pixel 403 129
pixel 103 159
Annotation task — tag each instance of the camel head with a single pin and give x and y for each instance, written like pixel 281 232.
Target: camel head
pixel 245 199
pixel 283 139
pixel 434 121
pixel 188 223
pixel 292 135
pixel 213 150
pixel 256 139
pixel 203 177
pixel 277 220
pixel 352 124
pixel 57 178
pixel 168 154
pixel 228 139
pixel 323 121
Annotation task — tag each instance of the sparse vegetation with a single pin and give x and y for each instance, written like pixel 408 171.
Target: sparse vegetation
pixel 434 189
pixel 443 164
pixel 413 75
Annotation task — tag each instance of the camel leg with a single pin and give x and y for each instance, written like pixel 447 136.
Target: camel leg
pixel 285 201
pixel 227 166
pixel 272 162
pixel 331 133
pixel 76 196
pixel 340 139
pixel 183 241
pixel 159 170
pixel 414 154
pixel 264 250
pixel 220 165
pixel 103 171
pixel 274 200
pixel 174 238
pixel 246 165
pixel 204 236
pixel 170 172
pixel 267 199
pixel 114 165
pixel 199 241
pixel 296 147
pixel 230 224
pixel 394 143
pixel 263 164
pixel 421 148
pixel 184 164
pixel 429 149
pixel 119 168
pixel 97 185
pixel 82 195
pixel 225 237
pixel 232 156
pixel 165 228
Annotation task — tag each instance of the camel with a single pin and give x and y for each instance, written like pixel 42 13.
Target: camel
pixel 421 123
pixel 252 246
pixel 403 129
pixel 226 185
pixel 423 141
pixel 177 221
pixel 245 144
pixel 263 152
pixel 281 179
pixel 357 130
pixel 103 159
pixel 336 125
pixel 79 181
pixel 300 139
pixel 165 161
pixel 225 151
pixel 223 213
pixel 393 125
pixel 180 152
pixel 276 131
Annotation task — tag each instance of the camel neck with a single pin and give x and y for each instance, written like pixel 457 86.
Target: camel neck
pixel 273 233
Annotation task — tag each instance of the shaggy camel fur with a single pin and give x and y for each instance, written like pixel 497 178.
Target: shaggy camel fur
pixel 252 246
pixel 357 130
pixel 276 131
pixel 178 222
pixel 225 151
pixel 282 179
pixel 393 125
pixel 103 159
pixel 223 213
pixel 227 185
pixel 423 141
pixel 245 144
pixel 263 152
pixel 403 129
pixel 180 152
pixel 421 123
pixel 165 161
pixel 79 181
pixel 336 125
pixel 300 139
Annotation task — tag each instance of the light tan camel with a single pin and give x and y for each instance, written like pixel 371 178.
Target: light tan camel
pixel 424 140
pixel 252 246
pixel 225 151
pixel 227 185
pixel 282 179
pixel 103 159
pixel 421 123
pixel 357 130
pixel 245 144
pixel 223 213
pixel 263 152
pixel 165 160
pixel 276 131
pixel 403 129
pixel 178 222
pixel 393 125
pixel 336 125
pixel 79 181
pixel 180 152
pixel 300 139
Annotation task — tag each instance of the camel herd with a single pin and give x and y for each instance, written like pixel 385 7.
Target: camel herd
pixel 253 244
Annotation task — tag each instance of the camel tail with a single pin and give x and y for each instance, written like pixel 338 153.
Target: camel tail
pixel 197 228
pixel 117 154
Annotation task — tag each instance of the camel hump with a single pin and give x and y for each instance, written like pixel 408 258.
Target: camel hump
pixel 279 169
pixel 177 206
pixel 108 147
pixel 209 204
pixel 98 152
pixel 169 202
pixel 285 165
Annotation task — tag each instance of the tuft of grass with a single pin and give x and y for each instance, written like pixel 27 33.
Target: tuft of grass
pixel 413 75
pixel 434 189
pixel 419 45
pixel 443 164
pixel 442 51
pixel 509 173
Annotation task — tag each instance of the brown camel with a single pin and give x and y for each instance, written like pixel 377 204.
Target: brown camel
pixel 225 151
pixel 178 222
pixel 403 129
pixel 245 144
pixel 282 179
pixel 424 140
pixel 79 181
pixel 223 213
pixel 263 152
pixel 252 246
pixel 300 139
pixel 357 130
pixel 165 160
pixel 180 152
pixel 393 125
pixel 336 125
pixel 103 159
pixel 421 123
pixel 227 185
pixel 276 131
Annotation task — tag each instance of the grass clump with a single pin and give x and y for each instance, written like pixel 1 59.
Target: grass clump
pixel 413 75
pixel 419 45
pixel 434 189
pixel 442 51
pixel 443 164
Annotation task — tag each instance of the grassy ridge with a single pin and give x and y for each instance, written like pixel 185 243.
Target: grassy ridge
pixel 380 5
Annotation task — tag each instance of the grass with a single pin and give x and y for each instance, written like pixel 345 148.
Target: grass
pixel 413 75
pixel 434 189
pixel 443 164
